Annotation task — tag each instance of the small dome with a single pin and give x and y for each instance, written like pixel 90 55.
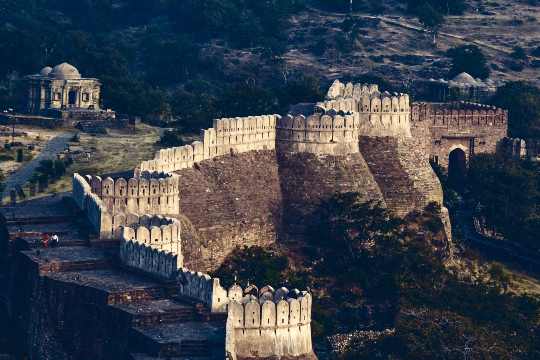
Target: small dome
pixel 465 78
pixel 65 71
pixel 45 71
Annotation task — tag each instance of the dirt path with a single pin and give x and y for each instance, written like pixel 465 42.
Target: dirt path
pixel 51 149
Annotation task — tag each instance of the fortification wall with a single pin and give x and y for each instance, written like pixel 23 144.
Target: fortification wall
pixel 150 194
pixel 230 201
pixel 318 134
pixel 349 90
pixel 308 179
pixel 272 325
pixel 378 114
pixel 234 135
pixel 398 176
pixel 109 214
pixel 474 128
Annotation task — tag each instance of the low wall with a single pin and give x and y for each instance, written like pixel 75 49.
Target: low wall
pixel 379 114
pixel 271 325
pixel 153 246
pixel 152 194
pixel 235 135
pixel 349 90
pixel 318 134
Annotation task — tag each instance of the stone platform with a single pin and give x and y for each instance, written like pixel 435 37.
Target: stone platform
pixel 76 301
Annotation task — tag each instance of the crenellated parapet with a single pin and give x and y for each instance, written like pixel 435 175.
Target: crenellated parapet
pixel 459 114
pixel 328 133
pixel 230 135
pixel 155 250
pixel 380 114
pixel 340 90
pixel 270 324
pixel 110 204
pixel 148 193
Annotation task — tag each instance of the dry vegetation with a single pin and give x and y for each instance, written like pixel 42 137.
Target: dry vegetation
pixel 118 151
pixel 396 47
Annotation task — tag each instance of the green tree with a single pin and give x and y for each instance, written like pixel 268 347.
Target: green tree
pixel 522 100
pixel 469 59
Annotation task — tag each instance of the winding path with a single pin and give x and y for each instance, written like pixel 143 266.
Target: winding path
pixel 24 173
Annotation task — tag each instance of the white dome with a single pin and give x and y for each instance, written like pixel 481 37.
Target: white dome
pixel 65 71
pixel 45 71
pixel 465 79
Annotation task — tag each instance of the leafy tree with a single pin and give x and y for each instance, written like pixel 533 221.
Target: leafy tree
pixel 254 265
pixel 469 59
pixel 522 100
pixel 430 18
pixel 509 192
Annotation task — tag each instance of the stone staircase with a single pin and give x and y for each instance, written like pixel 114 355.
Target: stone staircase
pixel 160 324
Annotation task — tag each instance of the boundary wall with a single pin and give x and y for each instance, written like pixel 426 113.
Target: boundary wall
pixel 152 194
pixel 350 90
pixel 234 135
pixel 154 250
pixel 459 115
pixel 270 324
pixel 380 114
pixel 319 134
pixel 106 223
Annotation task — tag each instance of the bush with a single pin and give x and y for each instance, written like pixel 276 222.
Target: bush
pixel 171 138
pixel 519 53
pixel 469 59
pixel 20 155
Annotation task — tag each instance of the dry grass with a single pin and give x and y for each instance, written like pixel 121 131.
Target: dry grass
pixel 117 151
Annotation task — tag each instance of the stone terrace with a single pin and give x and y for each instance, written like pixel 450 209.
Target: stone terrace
pixel 77 300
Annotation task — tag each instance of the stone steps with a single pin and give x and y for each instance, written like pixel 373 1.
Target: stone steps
pixel 189 339
pixel 155 312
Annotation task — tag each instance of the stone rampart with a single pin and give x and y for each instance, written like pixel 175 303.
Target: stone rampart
pixel 271 324
pixel 330 134
pixel 146 194
pixel 473 128
pixel 234 135
pixel 349 90
pixel 111 204
pixel 155 231
pixel 379 114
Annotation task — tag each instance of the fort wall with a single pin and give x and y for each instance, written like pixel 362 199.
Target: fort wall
pixel 379 114
pixel 318 134
pixel 273 324
pixel 349 90
pixel 234 135
pixel 474 128
pixel 111 204
pixel 151 194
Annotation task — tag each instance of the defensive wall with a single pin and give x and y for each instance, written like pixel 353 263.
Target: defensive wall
pixel 270 324
pixel 378 114
pixel 111 204
pixel 349 90
pixel 153 249
pixel 330 134
pixel 235 135
pixel 473 128
pixel 260 324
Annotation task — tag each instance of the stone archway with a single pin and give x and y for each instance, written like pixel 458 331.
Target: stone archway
pixel 457 168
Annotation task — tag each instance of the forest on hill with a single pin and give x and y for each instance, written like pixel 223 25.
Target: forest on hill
pixel 164 59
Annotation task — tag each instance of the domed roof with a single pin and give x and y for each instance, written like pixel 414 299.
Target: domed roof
pixel 65 71
pixel 465 78
pixel 45 71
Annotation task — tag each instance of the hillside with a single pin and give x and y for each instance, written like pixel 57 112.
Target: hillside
pixel 397 47
pixel 230 58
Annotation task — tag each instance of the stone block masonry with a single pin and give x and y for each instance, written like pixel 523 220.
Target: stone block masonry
pixel 473 128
